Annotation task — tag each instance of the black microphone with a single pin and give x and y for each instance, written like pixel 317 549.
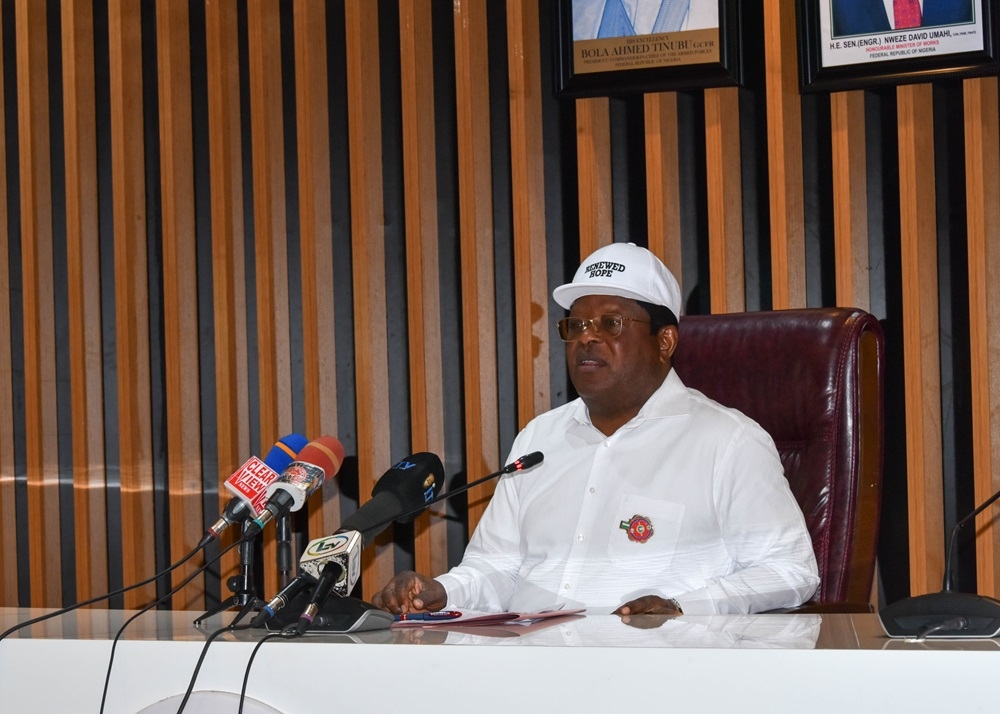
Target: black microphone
pixel 327 578
pixel 520 464
pixel 297 586
pixel 947 614
pixel 399 495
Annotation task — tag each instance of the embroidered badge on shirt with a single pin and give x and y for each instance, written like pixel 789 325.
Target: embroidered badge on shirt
pixel 639 528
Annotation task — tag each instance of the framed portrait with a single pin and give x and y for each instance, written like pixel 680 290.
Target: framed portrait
pixel 616 47
pixel 853 44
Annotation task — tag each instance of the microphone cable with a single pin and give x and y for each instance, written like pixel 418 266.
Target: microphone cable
pixel 288 633
pixel 231 627
pixel 114 644
pixel 108 596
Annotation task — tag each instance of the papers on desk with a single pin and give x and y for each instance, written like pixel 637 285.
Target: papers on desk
pixel 480 619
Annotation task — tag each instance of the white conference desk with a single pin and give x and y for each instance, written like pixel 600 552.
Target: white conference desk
pixel 758 663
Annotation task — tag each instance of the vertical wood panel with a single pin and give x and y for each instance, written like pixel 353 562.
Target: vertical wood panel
pixel 784 151
pixel 476 241
pixel 131 297
pixel 270 236
pixel 528 188
pixel 180 293
pixel 270 224
pixel 316 242
pixel 9 525
pixel 423 293
pixel 39 311
pixel 593 149
pixel 663 180
pixel 982 159
pixel 84 291
pixel 368 261
pixel 922 378
pixel 232 426
pixel 850 198
pixel 725 200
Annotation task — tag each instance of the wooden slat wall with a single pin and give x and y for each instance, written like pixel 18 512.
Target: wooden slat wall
pixel 128 168
pixel 181 299
pixel 528 187
pixel 982 159
pixel 368 261
pixel 8 535
pixel 223 339
pixel 271 233
pixel 850 198
pixel 84 288
pixel 476 238
pixel 319 350
pixel 423 294
pixel 229 301
pixel 39 315
pixel 725 200
pixel 784 146
pixel 663 183
pixel 918 229
pixel 593 145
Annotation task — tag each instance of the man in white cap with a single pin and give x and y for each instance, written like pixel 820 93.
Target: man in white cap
pixel 652 498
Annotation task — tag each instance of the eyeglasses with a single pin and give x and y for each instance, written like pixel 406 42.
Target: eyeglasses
pixel 609 324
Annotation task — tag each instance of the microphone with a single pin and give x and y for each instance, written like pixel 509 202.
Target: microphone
pixel 249 484
pixel 320 458
pixel 521 464
pixel 401 493
pixel 406 496
pixel 946 614
pixel 334 563
pixel 409 485
pixel 336 557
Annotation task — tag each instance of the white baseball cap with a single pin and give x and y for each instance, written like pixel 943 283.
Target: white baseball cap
pixel 625 270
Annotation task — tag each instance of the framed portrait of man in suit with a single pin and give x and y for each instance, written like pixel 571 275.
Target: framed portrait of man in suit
pixel 850 44
pixel 615 47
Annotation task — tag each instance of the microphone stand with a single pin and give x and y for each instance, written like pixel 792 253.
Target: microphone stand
pixel 945 614
pixel 283 536
pixel 241 585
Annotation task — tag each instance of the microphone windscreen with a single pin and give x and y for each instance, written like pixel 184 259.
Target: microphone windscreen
pixel 412 482
pixel 284 452
pixel 529 460
pixel 326 452
pixel 405 487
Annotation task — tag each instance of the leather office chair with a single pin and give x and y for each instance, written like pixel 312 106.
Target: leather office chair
pixel 813 379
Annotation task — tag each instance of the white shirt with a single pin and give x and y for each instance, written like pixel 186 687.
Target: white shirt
pixel 728 536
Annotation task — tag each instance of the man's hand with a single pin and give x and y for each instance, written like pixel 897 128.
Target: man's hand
pixel 411 592
pixel 648 605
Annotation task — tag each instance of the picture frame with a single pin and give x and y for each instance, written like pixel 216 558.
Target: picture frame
pixel 842 48
pixel 646 58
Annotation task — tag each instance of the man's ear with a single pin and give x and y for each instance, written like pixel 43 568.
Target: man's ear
pixel 667 338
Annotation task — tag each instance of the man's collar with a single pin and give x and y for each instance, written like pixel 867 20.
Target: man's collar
pixel 669 399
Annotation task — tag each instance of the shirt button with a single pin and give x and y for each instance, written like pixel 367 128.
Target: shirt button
pixel 607 443
pixel 593 490
pixel 566 586
pixel 580 537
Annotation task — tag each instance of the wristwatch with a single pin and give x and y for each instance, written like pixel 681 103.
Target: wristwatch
pixel 676 605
